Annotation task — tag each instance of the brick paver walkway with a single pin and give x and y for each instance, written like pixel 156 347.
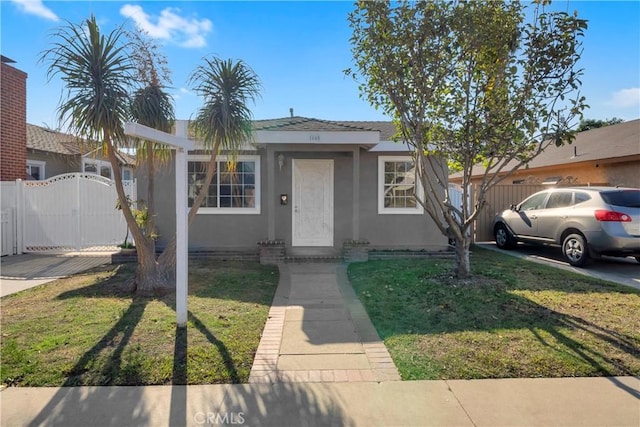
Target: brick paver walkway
pixel 318 331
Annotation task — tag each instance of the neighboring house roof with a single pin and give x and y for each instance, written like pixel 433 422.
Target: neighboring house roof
pixel 297 123
pixel 49 140
pixel 52 141
pixel 610 142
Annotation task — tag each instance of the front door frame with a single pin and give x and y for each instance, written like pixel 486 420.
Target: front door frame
pixel 328 205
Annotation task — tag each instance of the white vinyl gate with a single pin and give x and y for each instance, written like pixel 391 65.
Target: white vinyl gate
pixel 74 211
pixel 7 232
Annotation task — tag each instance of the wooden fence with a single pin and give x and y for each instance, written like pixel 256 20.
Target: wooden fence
pixel 497 199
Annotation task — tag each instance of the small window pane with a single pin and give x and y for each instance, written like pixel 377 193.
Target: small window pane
pixel 559 199
pixel 105 171
pixel 582 197
pixel 399 184
pixel 91 168
pixel 534 202
pixel 34 173
pixel 235 189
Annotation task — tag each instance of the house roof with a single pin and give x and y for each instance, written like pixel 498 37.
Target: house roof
pixel 609 142
pixel 43 139
pixel 51 141
pixel 297 123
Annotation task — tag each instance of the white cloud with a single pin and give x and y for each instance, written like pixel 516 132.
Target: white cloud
pixel 625 98
pixel 35 7
pixel 170 26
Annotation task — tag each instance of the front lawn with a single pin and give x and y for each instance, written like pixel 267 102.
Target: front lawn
pixel 513 319
pixel 88 330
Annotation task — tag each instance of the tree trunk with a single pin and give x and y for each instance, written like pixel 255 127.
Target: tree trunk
pixel 167 258
pixel 463 264
pixel 150 276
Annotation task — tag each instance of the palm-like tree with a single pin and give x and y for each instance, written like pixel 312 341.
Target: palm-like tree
pixel 223 123
pixel 97 74
pixel 152 106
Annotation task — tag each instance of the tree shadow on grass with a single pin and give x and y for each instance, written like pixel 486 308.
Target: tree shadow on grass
pixel 119 406
pixel 434 308
pixel 89 406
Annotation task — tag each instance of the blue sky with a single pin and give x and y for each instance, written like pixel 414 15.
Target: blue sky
pixel 298 49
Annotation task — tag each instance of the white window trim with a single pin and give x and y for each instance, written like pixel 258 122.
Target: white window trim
pixel 418 210
pixel 234 211
pixel 126 168
pixel 41 164
pixel 99 164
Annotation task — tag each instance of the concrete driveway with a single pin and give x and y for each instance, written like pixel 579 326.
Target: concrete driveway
pixel 20 272
pixel 625 271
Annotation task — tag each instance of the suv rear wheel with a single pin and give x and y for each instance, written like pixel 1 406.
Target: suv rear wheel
pixel 575 250
pixel 504 239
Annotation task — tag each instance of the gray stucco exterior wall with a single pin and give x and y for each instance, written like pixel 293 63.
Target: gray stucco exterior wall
pixel 392 231
pixel 55 164
pixel 244 231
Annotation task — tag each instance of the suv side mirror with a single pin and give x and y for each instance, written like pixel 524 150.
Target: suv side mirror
pixel 513 207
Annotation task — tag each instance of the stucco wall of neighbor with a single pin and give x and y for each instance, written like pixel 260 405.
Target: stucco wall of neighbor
pixel 583 173
pixel 208 231
pixel 55 164
pixel 13 123
pixel 393 231
pixel 342 194
pixel 623 173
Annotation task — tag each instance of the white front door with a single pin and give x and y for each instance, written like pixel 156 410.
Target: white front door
pixel 312 203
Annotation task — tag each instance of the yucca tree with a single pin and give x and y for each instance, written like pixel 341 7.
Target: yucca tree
pixel 97 73
pixel 223 123
pixel 151 106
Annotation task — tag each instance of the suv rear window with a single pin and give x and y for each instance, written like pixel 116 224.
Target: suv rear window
pixel 625 198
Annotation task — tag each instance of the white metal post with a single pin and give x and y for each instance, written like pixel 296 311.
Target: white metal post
pixel 182 230
pixel 180 141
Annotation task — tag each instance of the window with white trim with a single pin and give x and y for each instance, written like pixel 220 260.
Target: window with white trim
pixel 98 167
pixel 103 168
pixel 35 170
pixel 235 187
pixel 397 186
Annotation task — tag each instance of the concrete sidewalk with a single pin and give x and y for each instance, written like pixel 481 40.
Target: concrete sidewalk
pixel 318 331
pixel 508 402
pixel 20 272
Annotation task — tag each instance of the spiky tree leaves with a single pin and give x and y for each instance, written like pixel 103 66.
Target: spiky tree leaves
pixel 223 123
pixel 97 73
pixel 469 82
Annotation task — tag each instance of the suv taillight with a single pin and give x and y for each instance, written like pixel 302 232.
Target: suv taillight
pixel 602 215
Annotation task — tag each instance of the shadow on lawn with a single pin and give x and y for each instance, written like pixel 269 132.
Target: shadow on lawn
pixel 119 406
pixel 491 309
pixel 432 304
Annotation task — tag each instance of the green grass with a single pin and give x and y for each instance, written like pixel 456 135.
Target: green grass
pixel 88 330
pixel 514 319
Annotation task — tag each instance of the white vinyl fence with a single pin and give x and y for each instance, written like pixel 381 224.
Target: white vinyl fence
pixel 70 212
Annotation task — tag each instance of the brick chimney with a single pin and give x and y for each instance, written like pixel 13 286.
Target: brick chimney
pixel 13 122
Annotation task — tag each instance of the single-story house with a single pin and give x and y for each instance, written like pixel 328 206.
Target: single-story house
pixel 608 155
pixel 51 153
pixel 304 186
